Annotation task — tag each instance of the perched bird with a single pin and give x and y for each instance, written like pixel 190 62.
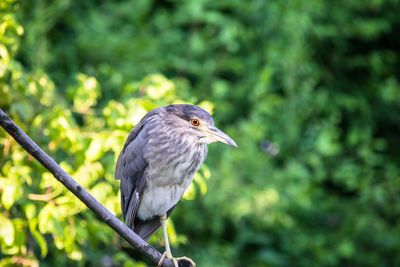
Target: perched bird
pixel 157 164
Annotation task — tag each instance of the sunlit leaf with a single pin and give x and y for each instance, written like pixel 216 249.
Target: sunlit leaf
pixel 9 195
pixel 7 234
pixel 41 241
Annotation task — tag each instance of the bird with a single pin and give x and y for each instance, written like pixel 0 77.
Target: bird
pixel 157 163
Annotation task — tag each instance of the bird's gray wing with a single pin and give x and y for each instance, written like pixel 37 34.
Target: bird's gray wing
pixel 131 169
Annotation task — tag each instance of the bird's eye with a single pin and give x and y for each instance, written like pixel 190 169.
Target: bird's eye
pixel 195 122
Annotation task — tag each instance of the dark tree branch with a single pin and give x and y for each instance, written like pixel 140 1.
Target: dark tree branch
pixel 32 148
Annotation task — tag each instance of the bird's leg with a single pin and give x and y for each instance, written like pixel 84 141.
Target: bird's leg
pixel 163 220
pixel 167 253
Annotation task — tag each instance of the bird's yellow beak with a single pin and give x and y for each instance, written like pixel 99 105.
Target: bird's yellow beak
pixel 219 136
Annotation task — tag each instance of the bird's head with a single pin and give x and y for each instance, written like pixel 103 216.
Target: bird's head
pixel 196 121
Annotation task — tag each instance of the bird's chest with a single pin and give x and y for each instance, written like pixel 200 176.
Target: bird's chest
pixel 169 175
pixel 175 164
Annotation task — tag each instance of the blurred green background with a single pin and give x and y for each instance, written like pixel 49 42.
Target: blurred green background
pixel 308 89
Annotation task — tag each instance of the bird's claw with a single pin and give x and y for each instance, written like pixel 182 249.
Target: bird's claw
pixel 168 256
pixel 175 260
pixel 188 261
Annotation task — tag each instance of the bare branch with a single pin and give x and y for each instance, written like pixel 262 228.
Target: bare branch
pixel 33 149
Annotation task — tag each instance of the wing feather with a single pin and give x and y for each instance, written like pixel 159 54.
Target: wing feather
pixel 131 170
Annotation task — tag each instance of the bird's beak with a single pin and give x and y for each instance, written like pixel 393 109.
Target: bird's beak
pixel 220 136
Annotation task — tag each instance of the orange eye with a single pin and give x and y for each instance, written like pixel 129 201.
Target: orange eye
pixel 195 122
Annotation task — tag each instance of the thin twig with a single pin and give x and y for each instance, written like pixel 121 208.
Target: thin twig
pixel 33 149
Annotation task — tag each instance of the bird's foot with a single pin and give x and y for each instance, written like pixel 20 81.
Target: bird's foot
pixel 167 255
pixel 185 261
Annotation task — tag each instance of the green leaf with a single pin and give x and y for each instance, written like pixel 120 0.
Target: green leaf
pixel 95 150
pixel 46 219
pixel 41 242
pixel 9 196
pixel 7 234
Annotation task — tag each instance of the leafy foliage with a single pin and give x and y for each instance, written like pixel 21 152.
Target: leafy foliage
pixel 308 89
